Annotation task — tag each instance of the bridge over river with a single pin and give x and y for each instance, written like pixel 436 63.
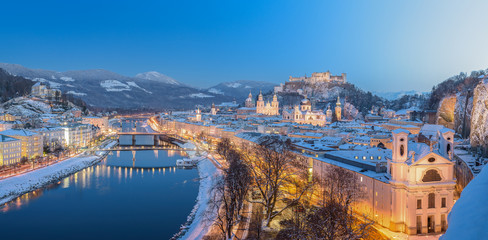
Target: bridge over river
pixel 140 139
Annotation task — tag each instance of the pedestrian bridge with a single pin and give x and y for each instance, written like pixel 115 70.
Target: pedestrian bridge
pixel 148 139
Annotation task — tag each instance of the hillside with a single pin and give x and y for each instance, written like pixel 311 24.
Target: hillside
pixel 240 89
pixel 13 86
pixel 105 89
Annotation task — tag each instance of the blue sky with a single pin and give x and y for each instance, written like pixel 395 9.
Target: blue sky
pixel 381 45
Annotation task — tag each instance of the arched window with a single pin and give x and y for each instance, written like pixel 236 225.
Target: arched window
pixel 448 150
pixel 431 176
pixel 402 150
pixel 431 200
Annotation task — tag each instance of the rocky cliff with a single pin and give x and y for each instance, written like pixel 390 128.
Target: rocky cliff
pixel 479 115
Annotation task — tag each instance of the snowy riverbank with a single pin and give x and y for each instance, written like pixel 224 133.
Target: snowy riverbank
pixel 13 187
pixel 199 222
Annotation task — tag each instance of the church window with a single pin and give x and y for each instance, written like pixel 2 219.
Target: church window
pixel 448 150
pixel 431 200
pixel 431 159
pixel 419 203
pixel 443 202
pixel 402 150
pixel 431 176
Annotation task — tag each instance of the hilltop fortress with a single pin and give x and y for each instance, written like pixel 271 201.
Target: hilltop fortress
pixel 318 77
pixel 295 83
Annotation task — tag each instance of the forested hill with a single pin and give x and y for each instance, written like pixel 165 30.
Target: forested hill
pixel 13 86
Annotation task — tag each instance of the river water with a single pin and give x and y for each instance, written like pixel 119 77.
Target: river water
pixel 119 198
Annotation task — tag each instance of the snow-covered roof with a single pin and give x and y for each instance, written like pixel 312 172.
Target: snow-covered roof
pixel 400 130
pixel 4 138
pixel 468 217
pixel 18 132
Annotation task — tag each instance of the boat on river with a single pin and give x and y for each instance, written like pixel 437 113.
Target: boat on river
pixel 186 162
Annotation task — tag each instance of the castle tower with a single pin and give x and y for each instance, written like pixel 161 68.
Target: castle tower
pixel 213 111
pixel 249 102
pixel 338 109
pixel 260 104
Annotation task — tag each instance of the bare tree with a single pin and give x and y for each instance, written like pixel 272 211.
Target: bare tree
pixel 274 168
pixel 333 218
pixel 232 189
pixel 334 221
pixel 341 186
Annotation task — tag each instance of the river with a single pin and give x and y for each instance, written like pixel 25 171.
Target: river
pixel 118 198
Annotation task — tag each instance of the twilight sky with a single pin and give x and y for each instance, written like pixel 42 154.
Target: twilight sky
pixel 381 45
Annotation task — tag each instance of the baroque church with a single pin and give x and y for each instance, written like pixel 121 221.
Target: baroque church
pixel 304 114
pixel 269 108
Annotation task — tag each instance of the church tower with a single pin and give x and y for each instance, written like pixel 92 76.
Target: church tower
pixel 399 154
pixel 338 109
pixel 306 105
pixel 446 143
pixel 275 105
pixel 213 111
pixel 328 114
pixel 260 104
pixel 249 101
pixel 198 116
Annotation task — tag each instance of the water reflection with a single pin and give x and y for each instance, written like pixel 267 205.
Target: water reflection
pixel 110 194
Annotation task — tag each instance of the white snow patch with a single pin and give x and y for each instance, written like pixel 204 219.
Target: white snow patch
pixel 39 80
pixel 76 93
pixel 233 85
pixel 156 76
pixel 67 79
pixel 200 95
pixel 134 84
pixel 114 86
pixel 215 91
pixel 54 84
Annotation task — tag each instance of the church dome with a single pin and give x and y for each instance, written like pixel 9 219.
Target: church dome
pixel 306 102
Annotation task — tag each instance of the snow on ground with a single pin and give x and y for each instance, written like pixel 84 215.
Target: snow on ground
pixel 67 79
pixel 13 187
pixel 200 95
pixel 215 91
pixel 199 222
pixel 26 107
pixel 114 86
pixel 54 84
pixel 76 93
pixel 39 80
pixel 468 218
pixel 134 84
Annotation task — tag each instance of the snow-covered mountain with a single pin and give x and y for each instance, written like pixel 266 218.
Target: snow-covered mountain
pixel 103 88
pixel 396 95
pixel 240 89
pixel 159 77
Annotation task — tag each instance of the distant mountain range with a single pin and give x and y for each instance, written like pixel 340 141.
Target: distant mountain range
pixel 240 89
pixel 103 88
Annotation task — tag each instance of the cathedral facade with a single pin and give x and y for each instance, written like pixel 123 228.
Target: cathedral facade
pixel 270 109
